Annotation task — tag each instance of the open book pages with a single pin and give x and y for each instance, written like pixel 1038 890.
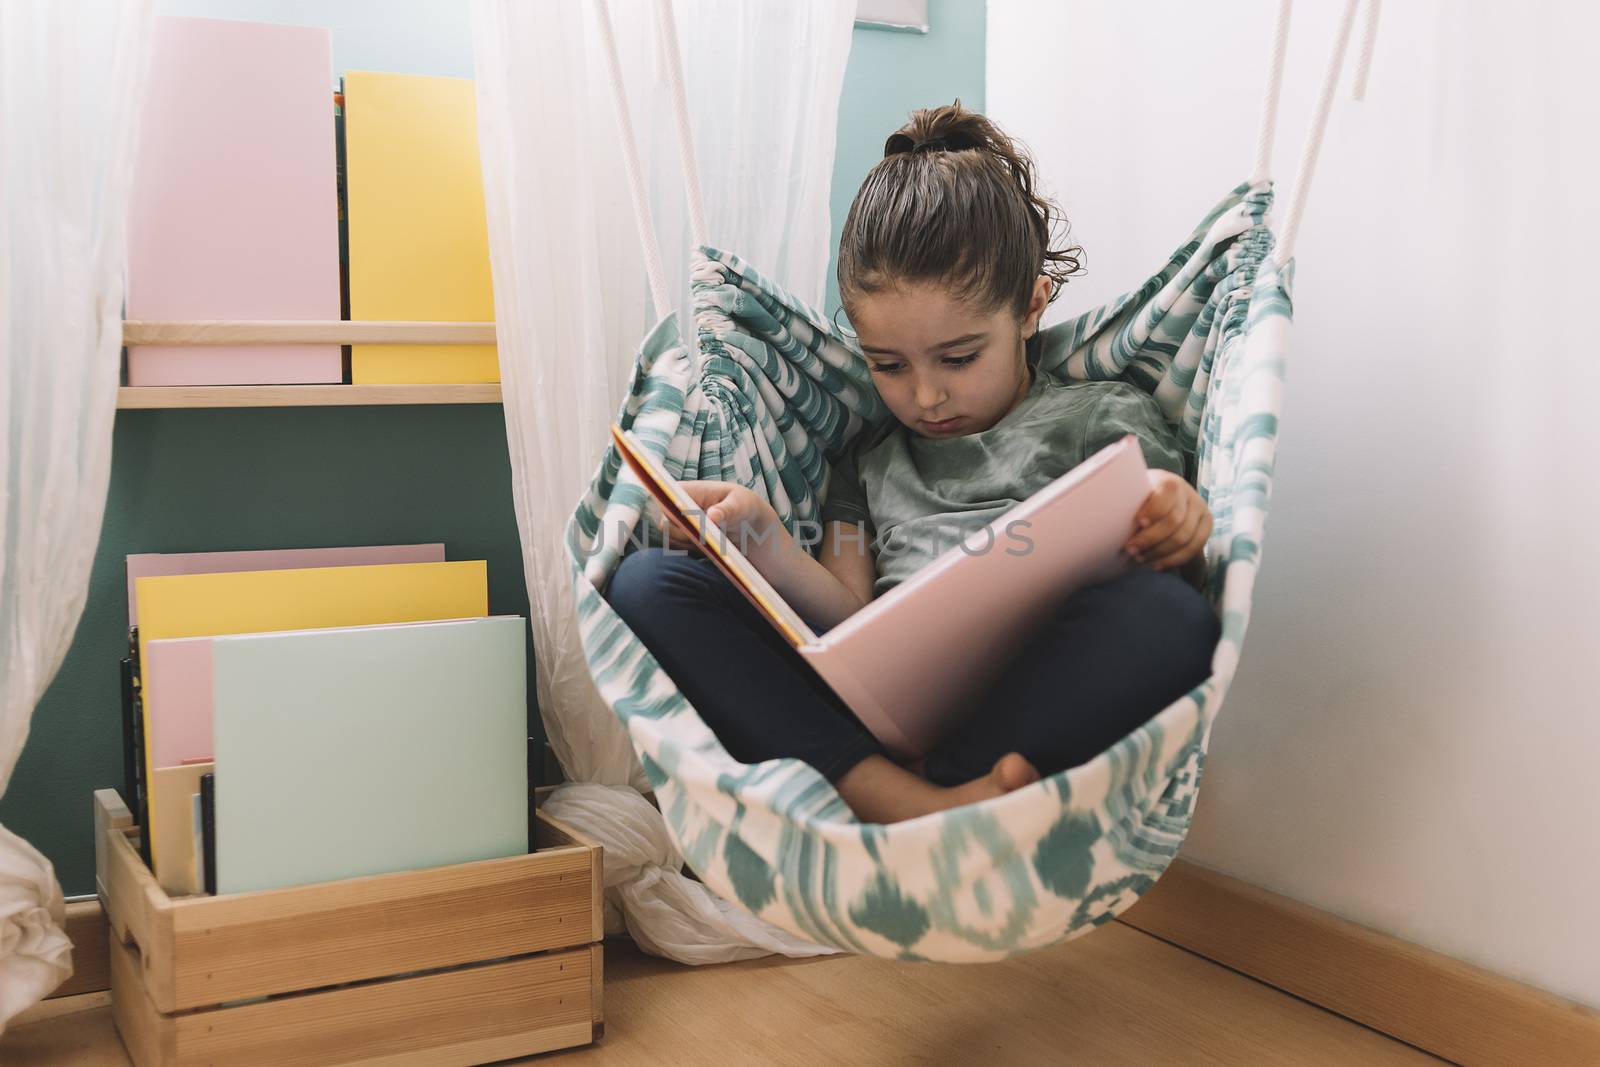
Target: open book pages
pixel 687 516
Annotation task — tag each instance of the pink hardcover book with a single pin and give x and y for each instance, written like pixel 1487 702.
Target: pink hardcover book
pixel 164 564
pixel 182 732
pixel 234 212
pixel 913 661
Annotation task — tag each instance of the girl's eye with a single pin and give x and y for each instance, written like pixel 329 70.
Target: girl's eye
pixel 959 361
pixel 887 368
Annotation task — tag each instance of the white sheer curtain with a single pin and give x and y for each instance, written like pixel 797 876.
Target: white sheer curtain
pixel 763 81
pixel 70 76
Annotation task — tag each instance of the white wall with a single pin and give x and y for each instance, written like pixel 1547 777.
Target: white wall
pixel 408 36
pixel 1413 738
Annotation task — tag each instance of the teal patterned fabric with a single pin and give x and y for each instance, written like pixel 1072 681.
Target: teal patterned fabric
pixel 766 393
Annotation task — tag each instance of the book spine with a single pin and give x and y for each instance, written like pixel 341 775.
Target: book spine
pixel 131 772
pixel 138 797
pixel 208 831
pixel 342 186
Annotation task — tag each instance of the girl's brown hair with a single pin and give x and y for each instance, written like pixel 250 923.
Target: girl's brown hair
pixel 954 201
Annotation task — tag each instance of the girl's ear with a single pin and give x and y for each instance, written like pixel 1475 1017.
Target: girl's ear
pixel 1036 305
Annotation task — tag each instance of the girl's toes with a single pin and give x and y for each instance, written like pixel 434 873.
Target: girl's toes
pixel 1014 772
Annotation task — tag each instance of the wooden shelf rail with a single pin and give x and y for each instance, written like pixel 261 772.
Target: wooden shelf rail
pixel 288 333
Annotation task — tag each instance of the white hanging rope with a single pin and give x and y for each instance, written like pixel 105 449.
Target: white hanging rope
pixel 667 37
pixel 659 294
pixel 1313 144
pixel 1269 104
pixel 1369 37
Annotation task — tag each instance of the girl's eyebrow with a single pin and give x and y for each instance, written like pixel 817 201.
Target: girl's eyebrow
pixel 942 346
pixel 957 342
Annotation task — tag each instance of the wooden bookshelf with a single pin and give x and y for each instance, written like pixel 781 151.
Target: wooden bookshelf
pixel 280 333
pixel 293 396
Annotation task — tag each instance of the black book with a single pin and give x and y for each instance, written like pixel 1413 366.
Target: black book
pixel 208 831
pixel 132 773
pixel 138 798
pixel 342 191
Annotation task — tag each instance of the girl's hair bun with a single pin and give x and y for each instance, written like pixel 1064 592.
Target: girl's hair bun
pixel 954 200
pixel 950 127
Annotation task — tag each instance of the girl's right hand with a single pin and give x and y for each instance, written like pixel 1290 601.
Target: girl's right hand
pixel 745 519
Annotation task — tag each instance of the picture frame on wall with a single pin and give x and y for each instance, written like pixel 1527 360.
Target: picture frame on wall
pixel 904 16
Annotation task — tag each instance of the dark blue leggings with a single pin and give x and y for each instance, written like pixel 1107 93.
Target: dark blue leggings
pixel 1110 658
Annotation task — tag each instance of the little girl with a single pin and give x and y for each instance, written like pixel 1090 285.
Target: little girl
pixel 945 268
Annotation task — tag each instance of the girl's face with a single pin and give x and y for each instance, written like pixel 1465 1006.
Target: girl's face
pixel 942 368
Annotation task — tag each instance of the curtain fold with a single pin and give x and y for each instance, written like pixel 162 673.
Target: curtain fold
pixel 763 81
pixel 70 79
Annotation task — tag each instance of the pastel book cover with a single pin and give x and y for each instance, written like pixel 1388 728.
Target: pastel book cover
pixel 160 564
pixel 182 734
pixel 172 831
pixel 234 210
pixel 418 240
pixel 351 752
pixel 209 605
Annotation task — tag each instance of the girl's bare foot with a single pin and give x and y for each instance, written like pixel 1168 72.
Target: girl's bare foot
pixel 1010 772
pixel 880 791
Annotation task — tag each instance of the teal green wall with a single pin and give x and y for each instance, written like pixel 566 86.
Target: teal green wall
pixel 892 74
pixel 184 481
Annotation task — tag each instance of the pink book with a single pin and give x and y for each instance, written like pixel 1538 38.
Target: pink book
pixel 915 660
pixel 164 564
pixel 234 213
pixel 182 732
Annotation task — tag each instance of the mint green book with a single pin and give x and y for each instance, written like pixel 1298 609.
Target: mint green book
pixel 365 750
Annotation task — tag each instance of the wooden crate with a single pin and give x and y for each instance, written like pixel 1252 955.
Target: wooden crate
pixel 465 964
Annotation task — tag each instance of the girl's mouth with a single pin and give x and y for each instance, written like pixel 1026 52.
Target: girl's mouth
pixel 942 426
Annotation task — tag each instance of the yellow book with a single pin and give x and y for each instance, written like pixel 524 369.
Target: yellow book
pixel 419 244
pixel 242 602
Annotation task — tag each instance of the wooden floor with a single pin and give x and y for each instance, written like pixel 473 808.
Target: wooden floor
pixel 1117 996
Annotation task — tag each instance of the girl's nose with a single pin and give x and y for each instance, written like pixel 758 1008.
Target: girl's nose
pixel 929 395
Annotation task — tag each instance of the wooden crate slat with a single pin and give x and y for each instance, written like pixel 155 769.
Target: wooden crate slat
pixel 597 991
pixel 146 1033
pixel 137 908
pixel 551 833
pixel 469 1015
pixel 207 950
pixel 251 944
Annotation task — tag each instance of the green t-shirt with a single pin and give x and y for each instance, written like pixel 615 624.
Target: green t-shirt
pixel 918 496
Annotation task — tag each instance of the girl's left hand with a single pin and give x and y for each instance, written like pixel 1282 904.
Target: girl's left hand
pixel 1173 523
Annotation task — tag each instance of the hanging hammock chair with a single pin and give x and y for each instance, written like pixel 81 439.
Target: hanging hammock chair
pixel 765 393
